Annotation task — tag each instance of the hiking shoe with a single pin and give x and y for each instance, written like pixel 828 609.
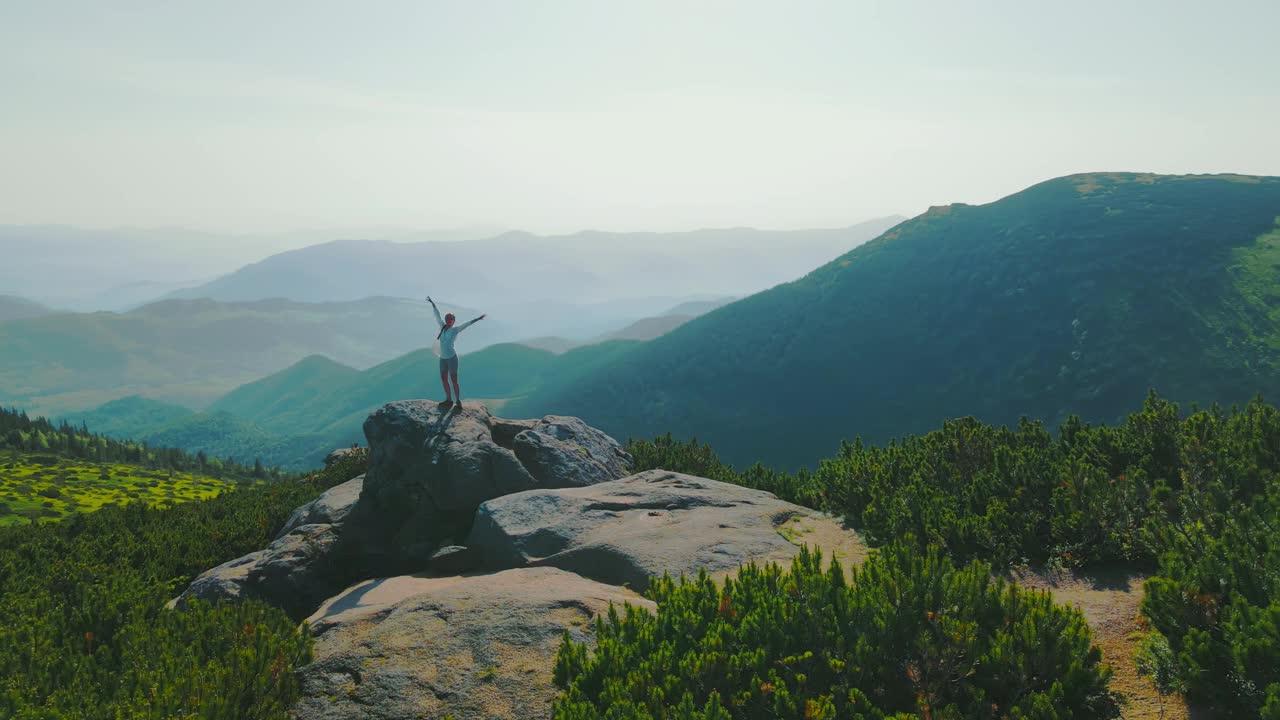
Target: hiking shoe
pixel 446 403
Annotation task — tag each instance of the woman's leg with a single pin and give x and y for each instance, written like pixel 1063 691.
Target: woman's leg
pixel 456 391
pixel 444 380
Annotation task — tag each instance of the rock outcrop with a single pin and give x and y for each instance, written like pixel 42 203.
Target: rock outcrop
pixel 471 647
pixel 294 571
pixel 228 581
pixel 431 468
pixel 339 455
pixel 555 527
pixel 329 509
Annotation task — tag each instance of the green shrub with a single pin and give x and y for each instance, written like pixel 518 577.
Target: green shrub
pixel 84 632
pixel 910 635
pixel 1196 496
pixel 1217 601
pixel 1011 495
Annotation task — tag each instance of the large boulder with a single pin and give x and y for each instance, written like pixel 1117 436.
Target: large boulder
pixel 340 454
pixel 469 647
pixel 296 571
pixel 330 508
pixel 563 451
pixel 625 531
pixel 431 467
pixel 299 570
pixel 228 581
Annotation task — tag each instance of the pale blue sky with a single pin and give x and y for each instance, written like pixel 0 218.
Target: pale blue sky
pixel 558 116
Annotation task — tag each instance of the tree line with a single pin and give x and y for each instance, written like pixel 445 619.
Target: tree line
pixel 22 433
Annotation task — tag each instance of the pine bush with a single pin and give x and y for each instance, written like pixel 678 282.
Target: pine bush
pixel 910 635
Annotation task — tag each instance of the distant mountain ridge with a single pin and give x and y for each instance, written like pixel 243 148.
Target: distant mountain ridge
pixel 1071 297
pixel 119 269
pixel 519 268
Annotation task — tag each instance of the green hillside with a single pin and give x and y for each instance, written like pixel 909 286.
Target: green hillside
pixel 215 433
pixel 51 471
pixel 1073 296
pixel 293 418
pixel 221 434
pixel 193 351
pixel 284 390
pixel 130 417
pixel 315 393
pixel 313 396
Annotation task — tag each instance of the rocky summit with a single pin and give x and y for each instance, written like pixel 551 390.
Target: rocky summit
pixel 430 468
pixel 473 543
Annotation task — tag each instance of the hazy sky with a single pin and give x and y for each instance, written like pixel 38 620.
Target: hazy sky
pixel 556 116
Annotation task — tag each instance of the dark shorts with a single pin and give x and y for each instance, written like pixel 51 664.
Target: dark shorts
pixel 449 365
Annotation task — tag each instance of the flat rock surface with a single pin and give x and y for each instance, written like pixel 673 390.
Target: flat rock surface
pixel 475 646
pixel 625 531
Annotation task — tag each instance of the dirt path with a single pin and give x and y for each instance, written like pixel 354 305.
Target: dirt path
pixel 1109 602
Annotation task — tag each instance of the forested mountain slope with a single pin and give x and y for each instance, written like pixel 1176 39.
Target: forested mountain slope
pixel 1073 296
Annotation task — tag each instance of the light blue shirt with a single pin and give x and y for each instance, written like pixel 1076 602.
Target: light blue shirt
pixel 449 334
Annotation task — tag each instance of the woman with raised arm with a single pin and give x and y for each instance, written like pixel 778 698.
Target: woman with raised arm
pixel 448 356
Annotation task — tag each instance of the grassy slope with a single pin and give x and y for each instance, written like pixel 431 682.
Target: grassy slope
pixel 52 488
pixel 1073 296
